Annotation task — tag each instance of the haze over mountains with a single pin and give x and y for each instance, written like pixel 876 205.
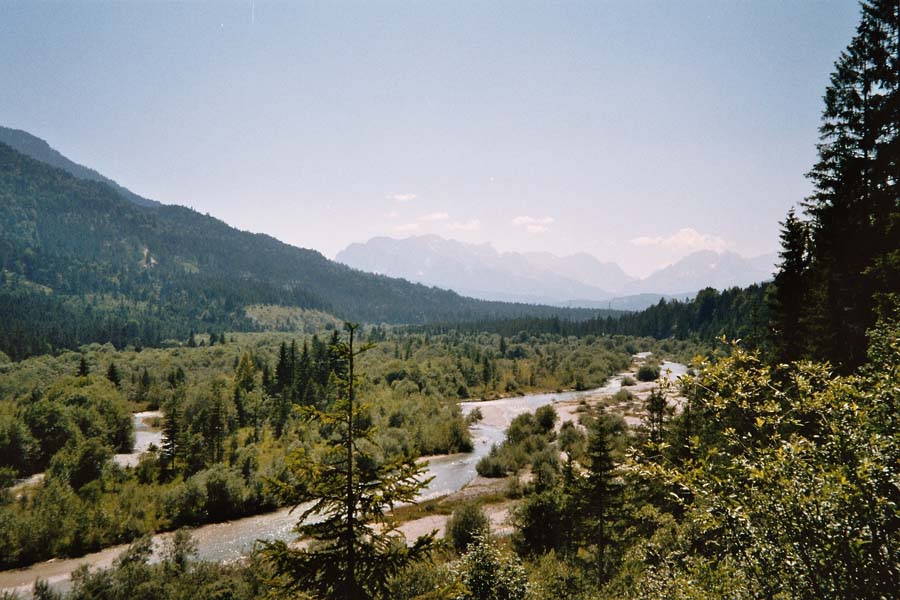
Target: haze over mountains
pixel 83 259
pixel 480 271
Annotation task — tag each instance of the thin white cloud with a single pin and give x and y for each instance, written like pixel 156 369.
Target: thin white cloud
pixel 534 224
pixel 406 227
pixel 470 225
pixel 687 239
pixel 526 220
pixel 438 216
pixel 402 197
pixel 393 214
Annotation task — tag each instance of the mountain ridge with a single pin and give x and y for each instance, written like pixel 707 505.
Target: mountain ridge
pixel 38 149
pixel 579 279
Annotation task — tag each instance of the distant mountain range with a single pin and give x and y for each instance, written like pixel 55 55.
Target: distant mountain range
pixel 706 268
pixel 480 271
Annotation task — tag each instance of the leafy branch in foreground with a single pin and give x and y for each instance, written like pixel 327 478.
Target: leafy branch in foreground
pixel 351 547
pixel 788 479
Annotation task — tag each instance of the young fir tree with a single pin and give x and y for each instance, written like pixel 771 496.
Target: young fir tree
pixel 83 369
pixel 215 425
pixel 283 370
pixel 657 410
pixel 267 383
pixel 171 434
pixel 112 373
pixel 347 495
pixel 302 390
pixel 244 382
pixel 788 298
pixel 602 498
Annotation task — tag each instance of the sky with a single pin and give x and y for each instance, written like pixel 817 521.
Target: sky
pixel 637 131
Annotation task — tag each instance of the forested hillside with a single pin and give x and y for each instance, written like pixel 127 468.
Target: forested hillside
pixel 81 264
pixel 38 149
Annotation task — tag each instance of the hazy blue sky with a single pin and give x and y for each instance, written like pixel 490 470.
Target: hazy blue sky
pixel 636 131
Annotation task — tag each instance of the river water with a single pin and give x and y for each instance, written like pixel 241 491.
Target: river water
pixel 233 539
pixel 144 437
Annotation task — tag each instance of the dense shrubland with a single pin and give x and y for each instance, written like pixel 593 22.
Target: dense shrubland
pixel 775 481
pixel 230 419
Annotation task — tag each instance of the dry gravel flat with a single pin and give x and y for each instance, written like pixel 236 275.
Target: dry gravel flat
pixel 499 515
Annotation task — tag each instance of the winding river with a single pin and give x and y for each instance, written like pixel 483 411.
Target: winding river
pixel 229 541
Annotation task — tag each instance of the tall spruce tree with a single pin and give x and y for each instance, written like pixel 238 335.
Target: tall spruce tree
pixel 602 497
pixel 346 493
pixel 302 393
pixel 854 210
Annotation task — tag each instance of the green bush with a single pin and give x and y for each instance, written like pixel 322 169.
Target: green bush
pixel 622 396
pixel 467 523
pixel 491 465
pixel 546 417
pixel 225 491
pixel 648 373
pixel 423 581
pixel 489 574
pixel 552 576
pixel 80 462
pixel 521 427
pixel 539 524
pixel 545 468
pixel 572 440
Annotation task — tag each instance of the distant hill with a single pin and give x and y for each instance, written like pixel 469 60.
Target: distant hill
pixel 29 145
pixel 635 302
pixel 80 263
pixel 577 280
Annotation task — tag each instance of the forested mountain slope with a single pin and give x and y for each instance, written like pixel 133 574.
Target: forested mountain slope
pixel 82 264
pixel 38 149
